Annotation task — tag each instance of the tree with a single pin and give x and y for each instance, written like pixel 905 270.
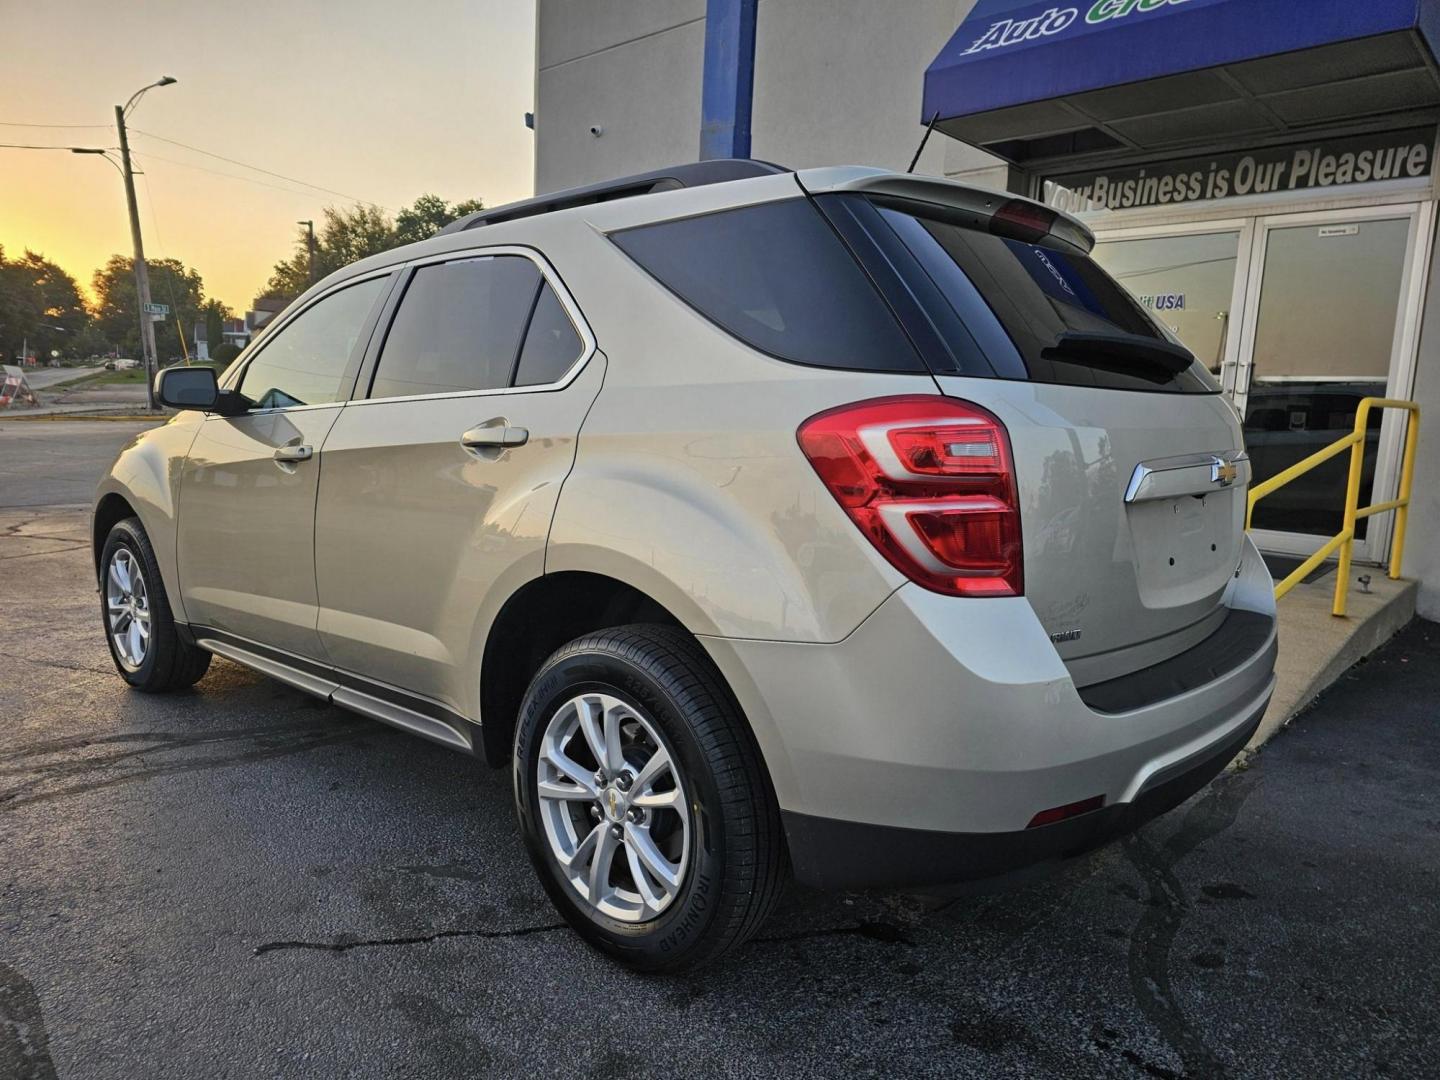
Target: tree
pixel 428 216
pixel 117 311
pixel 40 305
pixel 348 235
pixel 215 314
pixel 222 355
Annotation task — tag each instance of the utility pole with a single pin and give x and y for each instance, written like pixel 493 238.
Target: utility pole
pixel 310 247
pixel 142 272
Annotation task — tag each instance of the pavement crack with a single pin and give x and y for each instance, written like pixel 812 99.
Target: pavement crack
pixel 62 666
pixel 132 767
pixel 1167 906
pixel 344 945
pixel 37 554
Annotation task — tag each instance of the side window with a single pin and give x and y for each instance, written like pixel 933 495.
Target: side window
pixel 305 363
pixel 551 343
pixel 778 278
pixel 458 327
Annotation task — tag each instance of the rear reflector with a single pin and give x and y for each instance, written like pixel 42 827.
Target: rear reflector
pixel 1064 813
pixel 931 483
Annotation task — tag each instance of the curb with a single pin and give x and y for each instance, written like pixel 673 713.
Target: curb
pixel 1328 648
pixel 127 417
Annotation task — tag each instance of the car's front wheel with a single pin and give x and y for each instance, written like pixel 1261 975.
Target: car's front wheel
pixel 148 651
pixel 643 801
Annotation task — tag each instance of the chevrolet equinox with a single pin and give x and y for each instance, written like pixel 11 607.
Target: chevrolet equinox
pixel 836 524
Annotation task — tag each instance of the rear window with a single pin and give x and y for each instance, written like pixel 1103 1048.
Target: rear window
pixel 1041 295
pixel 778 278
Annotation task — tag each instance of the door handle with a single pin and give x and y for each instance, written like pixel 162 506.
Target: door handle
pixel 294 453
pixel 494 434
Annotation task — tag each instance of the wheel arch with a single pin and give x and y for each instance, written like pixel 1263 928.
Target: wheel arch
pixel 534 621
pixel 112 509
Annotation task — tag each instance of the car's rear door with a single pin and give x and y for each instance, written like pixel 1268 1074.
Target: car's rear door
pixel 245 535
pixel 441 478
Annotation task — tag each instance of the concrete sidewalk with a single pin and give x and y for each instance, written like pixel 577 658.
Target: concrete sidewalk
pixel 1316 648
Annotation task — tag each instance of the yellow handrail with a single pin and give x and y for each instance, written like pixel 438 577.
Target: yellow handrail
pixel 1344 540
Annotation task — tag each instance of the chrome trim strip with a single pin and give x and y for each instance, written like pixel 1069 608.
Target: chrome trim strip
pixel 291 676
pixel 355 693
pixel 1188 474
pixel 398 716
pixel 589 346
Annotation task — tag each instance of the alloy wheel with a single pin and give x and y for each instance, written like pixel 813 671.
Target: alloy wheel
pixel 614 809
pixel 127 603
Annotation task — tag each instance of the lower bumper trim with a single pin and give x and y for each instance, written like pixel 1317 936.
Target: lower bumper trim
pixel 831 854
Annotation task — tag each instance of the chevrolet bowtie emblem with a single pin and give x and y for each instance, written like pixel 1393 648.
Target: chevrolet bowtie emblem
pixel 1223 473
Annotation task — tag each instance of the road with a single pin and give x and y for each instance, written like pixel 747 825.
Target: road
pixel 58 462
pixel 242 881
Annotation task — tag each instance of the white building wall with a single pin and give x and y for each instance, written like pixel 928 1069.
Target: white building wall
pixel 1422 542
pixel 835 83
pixel 842 84
pixel 629 67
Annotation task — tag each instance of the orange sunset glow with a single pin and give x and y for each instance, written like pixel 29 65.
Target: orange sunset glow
pixel 386 104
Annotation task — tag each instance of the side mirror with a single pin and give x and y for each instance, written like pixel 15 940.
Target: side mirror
pixel 188 388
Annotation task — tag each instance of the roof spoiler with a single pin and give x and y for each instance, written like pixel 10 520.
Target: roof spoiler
pixel 672 178
pixel 998 212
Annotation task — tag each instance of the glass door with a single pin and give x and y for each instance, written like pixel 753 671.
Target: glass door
pixel 1325 325
pixel 1192 279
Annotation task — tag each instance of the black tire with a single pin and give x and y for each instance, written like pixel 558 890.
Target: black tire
pixel 737 866
pixel 170 663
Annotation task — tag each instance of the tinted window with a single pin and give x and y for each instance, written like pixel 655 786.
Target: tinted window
pixel 306 362
pixel 551 343
pixel 458 327
pixel 1039 294
pixel 778 278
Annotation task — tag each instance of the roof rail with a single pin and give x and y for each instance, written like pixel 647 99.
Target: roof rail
pixel 695 174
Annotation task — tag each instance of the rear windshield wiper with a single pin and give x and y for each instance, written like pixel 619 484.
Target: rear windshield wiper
pixel 1122 351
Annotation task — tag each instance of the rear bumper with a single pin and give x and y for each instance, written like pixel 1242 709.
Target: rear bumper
pixel 831 854
pixel 919 749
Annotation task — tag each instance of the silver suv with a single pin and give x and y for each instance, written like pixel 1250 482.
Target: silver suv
pixel 840 523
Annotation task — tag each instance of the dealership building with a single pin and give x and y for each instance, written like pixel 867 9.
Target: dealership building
pixel 1259 173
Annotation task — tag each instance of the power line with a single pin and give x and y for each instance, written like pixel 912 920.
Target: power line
pixel 16 123
pixel 28 146
pixel 150 156
pixel 256 168
pixel 169 280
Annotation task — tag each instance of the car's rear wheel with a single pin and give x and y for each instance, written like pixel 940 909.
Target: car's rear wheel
pixel 643 801
pixel 147 649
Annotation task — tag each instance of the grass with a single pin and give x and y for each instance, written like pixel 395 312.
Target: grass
pixel 129 377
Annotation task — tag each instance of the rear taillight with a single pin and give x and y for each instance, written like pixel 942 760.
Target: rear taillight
pixel 931 482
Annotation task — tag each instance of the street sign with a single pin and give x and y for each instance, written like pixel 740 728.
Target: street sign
pixel 157 309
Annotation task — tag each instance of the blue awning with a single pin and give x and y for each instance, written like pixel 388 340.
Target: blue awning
pixel 1074 76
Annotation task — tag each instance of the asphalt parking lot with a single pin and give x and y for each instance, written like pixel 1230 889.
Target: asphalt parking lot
pixel 242 881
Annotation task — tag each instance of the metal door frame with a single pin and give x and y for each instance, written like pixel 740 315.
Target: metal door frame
pixel 1404 348
pixel 1237 366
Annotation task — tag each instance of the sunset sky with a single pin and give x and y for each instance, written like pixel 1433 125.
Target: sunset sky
pixel 377 100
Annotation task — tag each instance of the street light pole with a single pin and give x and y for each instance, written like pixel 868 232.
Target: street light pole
pixel 142 272
pixel 310 248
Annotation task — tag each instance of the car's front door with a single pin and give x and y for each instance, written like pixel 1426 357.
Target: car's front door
pixel 247 496
pixel 441 479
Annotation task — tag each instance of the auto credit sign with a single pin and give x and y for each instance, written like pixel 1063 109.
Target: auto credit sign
pixel 1036 26
pixel 1324 163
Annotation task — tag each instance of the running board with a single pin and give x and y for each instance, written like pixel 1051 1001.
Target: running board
pixel 418 716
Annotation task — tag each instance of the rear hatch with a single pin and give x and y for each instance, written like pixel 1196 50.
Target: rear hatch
pixel 1128 463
